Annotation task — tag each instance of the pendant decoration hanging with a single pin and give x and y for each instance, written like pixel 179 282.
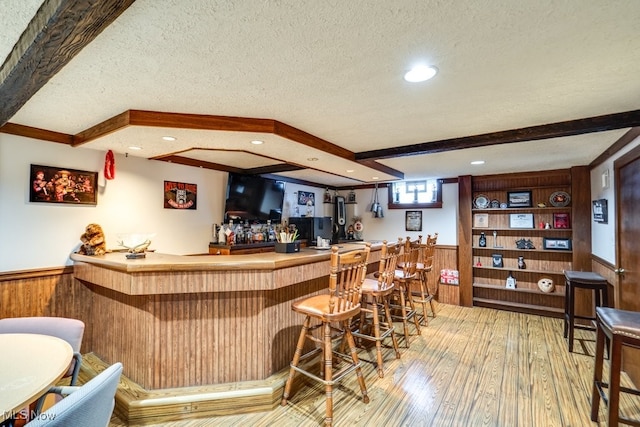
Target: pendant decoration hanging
pixel 109 165
pixel 376 207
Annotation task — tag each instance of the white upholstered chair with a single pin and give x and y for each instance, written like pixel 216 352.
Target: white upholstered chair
pixel 88 406
pixel 70 330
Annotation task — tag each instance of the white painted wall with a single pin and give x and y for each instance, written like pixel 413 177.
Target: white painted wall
pixel 442 221
pixel 603 236
pixel 39 235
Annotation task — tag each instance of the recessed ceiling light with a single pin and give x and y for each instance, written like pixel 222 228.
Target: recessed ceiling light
pixel 477 162
pixel 375 178
pixel 313 159
pixel 133 147
pixel 420 73
pixel 349 170
pixel 257 142
pixel 169 138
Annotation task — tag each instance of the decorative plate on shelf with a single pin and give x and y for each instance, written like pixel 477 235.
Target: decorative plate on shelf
pixel 495 204
pixel 481 201
pixel 560 199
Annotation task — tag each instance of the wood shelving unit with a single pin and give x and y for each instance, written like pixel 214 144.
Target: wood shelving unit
pixel 487 282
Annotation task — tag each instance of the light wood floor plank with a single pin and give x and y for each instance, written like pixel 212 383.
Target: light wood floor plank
pixel 470 367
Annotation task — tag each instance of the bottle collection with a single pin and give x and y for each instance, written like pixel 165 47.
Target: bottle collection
pixel 244 233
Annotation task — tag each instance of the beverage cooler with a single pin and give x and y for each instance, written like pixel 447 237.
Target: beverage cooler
pixel 310 228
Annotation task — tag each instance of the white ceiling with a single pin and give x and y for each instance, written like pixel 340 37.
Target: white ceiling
pixel 334 69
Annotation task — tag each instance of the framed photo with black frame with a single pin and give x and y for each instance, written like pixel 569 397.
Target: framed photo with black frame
pixel 52 184
pixel 560 244
pixel 519 199
pixel 413 221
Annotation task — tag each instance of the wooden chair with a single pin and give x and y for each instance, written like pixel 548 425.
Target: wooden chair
pixel 375 295
pixel 402 279
pixel 424 294
pixel 339 306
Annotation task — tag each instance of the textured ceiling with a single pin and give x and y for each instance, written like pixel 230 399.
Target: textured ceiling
pixel 334 69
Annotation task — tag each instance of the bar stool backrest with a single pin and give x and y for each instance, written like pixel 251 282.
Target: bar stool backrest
pixel 348 271
pixel 428 252
pixel 410 256
pixel 388 264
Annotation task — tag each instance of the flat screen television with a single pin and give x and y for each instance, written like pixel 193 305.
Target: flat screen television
pixel 253 197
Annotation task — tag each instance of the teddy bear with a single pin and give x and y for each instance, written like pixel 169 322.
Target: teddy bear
pixel 93 242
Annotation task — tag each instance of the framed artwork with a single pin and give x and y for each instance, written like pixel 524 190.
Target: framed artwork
pixel 561 220
pixel 556 244
pixel 180 195
pixel 521 220
pixel 413 221
pixel 481 220
pixel 496 261
pixel 52 184
pixel 519 199
pixel 600 212
pixel 306 196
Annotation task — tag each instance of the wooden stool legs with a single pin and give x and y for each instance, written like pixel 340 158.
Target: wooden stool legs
pixel 327 369
pixel 622 329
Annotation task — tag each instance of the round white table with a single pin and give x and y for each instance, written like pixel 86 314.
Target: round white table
pixel 29 365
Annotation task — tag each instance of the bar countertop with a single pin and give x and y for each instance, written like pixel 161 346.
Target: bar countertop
pixel 166 262
pixel 160 273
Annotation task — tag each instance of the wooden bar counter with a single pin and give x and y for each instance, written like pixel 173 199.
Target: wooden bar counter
pixel 187 323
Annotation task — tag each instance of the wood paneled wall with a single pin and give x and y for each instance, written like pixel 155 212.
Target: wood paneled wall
pixel 46 292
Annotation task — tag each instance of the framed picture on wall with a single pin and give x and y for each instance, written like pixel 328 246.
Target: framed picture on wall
pixel 52 184
pixel 304 197
pixel 180 195
pixel 413 221
pixel 600 212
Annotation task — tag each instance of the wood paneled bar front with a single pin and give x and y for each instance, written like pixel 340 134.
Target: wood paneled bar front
pixel 185 325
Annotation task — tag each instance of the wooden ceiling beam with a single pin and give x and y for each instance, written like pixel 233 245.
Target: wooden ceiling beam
pixel 532 133
pixel 58 31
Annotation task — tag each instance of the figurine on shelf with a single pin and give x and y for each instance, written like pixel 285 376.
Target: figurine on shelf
pixel 511 281
pixel 327 196
pixel 521 264
pixel 350 232
pixel 478 264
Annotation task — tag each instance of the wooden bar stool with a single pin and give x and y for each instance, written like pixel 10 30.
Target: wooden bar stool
pixel 375 295
pixel 424 294
pixel 339 306
pixel 622 329
pixel 403 277
pixel 582 280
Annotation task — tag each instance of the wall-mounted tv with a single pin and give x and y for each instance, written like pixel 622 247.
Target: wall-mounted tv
pixel 253 197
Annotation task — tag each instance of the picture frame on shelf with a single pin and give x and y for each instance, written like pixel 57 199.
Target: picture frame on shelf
pixel 481 220
pixel 519 199
pixel 561 220
pixel 561 244
pixel 521 220
pixel 496 261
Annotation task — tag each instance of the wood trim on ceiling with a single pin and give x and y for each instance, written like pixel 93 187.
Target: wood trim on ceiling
pixel 532 133
pixel 36 133
pixel 55 35
pixel 219 123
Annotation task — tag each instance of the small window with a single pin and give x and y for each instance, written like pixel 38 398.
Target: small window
pixel 426 193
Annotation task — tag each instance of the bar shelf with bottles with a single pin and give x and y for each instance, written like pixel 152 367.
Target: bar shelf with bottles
pixel 243 238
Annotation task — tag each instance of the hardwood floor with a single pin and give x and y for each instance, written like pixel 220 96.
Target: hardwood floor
pixel 470 367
